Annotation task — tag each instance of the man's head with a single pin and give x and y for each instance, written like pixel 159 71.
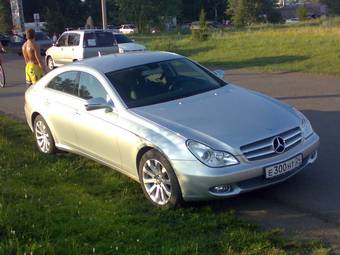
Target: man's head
pixel 30 34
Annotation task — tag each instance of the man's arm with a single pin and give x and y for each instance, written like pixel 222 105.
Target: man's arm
pixel 24 53
pixel 38 56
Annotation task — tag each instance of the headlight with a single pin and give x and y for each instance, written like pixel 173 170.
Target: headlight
pixel 210 157
pixel 305 125
pixel 121 50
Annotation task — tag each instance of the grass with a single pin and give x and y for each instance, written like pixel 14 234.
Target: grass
pixel 310 47
pixel 66 204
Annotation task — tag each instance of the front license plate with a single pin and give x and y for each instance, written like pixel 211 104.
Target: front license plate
pixel 284 167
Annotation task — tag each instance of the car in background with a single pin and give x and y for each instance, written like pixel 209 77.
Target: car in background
pixel 41 38
pixel 128 29
pixel 170 124
pixel 77 45
pixel 212 25
pixel 125 44
pixel 5 40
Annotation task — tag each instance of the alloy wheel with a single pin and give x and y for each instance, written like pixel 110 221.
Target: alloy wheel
pixel 156 181
pixel 43 137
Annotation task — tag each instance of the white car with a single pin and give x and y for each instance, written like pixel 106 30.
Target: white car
pixel 128 29
pixel 125 44
pixel 80 44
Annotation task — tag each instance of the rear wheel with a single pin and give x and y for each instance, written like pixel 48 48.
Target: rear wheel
pixel 2 77
pixel 43 136
pixel 50 63
pixel 158 180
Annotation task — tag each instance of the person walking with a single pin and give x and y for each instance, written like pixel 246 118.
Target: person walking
pixel 54 38
pixel 35 68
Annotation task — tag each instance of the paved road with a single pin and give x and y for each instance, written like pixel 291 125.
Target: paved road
pixel 308 205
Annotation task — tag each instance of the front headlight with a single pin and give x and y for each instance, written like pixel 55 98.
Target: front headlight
pixel 121 50
pixel 305 125
pixel 210 157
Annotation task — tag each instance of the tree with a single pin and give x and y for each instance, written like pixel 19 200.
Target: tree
pixel 333 5
pixel 5 19
pixel 302 13
pixel 246 12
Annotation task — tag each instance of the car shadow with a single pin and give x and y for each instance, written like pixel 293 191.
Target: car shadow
pixel 254 62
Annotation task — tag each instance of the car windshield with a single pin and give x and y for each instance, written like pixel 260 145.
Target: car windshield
pixel 162 81
pixel 122 39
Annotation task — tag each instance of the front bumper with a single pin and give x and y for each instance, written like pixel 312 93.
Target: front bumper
pixel 196 179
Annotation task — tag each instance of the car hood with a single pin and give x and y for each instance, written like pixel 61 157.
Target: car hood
pixel 131 46
pixel 229 116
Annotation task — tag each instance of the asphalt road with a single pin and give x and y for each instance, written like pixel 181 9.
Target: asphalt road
pixel 306 206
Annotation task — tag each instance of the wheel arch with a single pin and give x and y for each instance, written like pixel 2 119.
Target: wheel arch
pixel 34 115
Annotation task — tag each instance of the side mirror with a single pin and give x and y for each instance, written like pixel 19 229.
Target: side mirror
pixel 219 74
pixel 97 104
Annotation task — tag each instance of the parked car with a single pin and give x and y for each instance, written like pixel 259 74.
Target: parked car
pixel 41 38
pixel 128 29
pixel 80 44
pixel 170 124
pixel 5 40
pixel 125 44
pixel 212 25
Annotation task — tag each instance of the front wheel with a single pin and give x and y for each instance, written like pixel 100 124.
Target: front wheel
pixel 43 136
pixel 2 77
pixel 50 63
pixel 158 180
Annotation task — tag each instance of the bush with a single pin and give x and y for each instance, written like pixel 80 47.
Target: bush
pixel 302 13
pixel 200 34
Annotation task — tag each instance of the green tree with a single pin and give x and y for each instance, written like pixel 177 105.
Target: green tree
pixel 246 12
pixel 5 18
pixel 302 13
pixel 333 5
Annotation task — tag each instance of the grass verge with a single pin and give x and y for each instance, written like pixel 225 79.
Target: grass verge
pixel 312 47
pixel 66 204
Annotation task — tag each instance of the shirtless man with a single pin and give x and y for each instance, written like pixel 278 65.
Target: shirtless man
pixel 35 68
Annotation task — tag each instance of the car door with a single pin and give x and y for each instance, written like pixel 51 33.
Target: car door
pixel 61 102
pixel 70 51
pixel 96 130
pixel 58 53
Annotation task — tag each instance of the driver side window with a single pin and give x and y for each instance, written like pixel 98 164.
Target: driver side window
pixel 90 87
pixel 62 40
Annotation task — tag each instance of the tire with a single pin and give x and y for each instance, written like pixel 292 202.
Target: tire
pixel 158 180
pixel 2 77
pixel 43 136
pixel 50 63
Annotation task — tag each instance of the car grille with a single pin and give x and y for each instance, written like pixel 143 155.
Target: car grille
pixel 264 148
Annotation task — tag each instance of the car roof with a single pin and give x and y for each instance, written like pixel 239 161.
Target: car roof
pixel 86 31
pixel 115 62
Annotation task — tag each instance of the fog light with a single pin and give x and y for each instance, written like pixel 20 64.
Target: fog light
pixel 222 189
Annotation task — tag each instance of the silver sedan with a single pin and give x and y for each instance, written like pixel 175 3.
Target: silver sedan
pixel 170 124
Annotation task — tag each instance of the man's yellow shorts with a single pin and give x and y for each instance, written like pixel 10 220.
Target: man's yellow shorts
pixel 33 73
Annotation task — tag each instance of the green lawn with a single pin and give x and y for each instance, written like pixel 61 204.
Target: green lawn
pixel 309 47
pixel 66 204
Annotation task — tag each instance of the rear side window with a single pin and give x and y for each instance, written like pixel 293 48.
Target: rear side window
pixel 90 87
pixel 66 82
pixel 99 39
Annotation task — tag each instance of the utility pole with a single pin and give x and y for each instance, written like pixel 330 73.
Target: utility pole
pixel 17 16
pixel 104 17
